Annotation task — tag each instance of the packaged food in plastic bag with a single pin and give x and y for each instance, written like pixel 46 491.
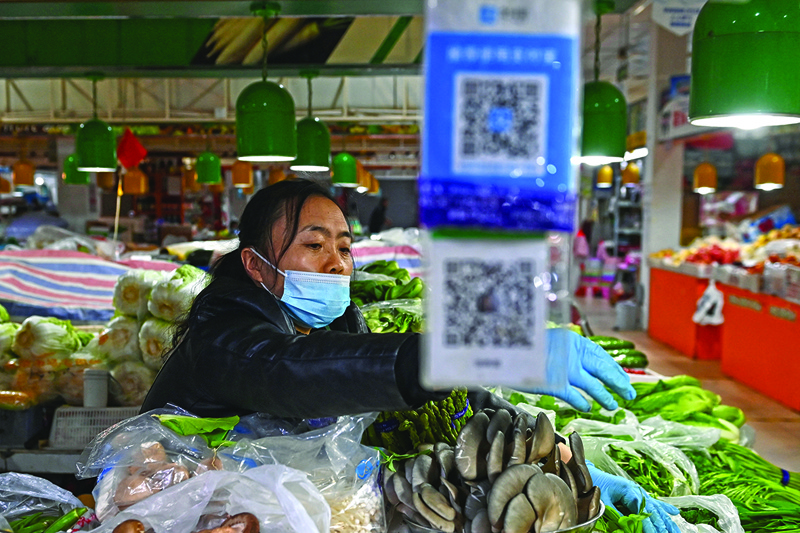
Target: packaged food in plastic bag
pixel 132 291
pixel 69 383
pixel 23 495
pixel 280 498
pixel 50 237
pixel 155 337
pixel 394 316
pixel 38 378
pixel 671 472
pixel 717 509
pixel 120 340
pixel 130 382
pixel 367 287
pixel 345 472
pixel 172 298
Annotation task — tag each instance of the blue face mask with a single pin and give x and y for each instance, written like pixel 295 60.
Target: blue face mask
pixel 312 299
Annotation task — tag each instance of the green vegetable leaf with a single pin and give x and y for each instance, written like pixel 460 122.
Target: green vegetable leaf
pixel 212 430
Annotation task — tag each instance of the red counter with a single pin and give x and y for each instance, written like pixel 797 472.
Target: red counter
pixel 673 301
pixel 759 343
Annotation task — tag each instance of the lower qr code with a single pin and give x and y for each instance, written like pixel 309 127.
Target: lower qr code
pixel 489 303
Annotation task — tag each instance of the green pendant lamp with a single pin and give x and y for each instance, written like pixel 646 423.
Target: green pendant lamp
pixel 70 173
pixel 208 168
pixel 345 171
pixel 313 141
pixel 265 119
pixel 746 64
pixel 95 144
pixel 605 112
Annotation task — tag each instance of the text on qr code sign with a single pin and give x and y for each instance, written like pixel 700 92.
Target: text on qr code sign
pixel 489 303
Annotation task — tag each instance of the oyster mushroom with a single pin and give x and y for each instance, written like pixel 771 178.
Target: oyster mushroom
pixel 566 501
pixel 577 464
pixel 519 451
pixel 473 505
pixel 544 439
pixel 437 502
pixel 501 421
pixel 436 521
pixel 519 515
pixel 494 459
pixel 566 475
pixel 388 488
pixel 412 514
pixel 423 471
pixel 447 462
pixel 508 485
pixel 471 448
pixel 403 490
pixel 480 524
pixel 456 497
pixel 545 499
pixel 553 463
pixel 589 505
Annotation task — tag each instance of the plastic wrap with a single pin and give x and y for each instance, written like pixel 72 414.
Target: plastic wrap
pixel 43 337
pixel 685 480
pixel 47 237
pixel 22 494
pixel 8 331
pixel 679 435
pixel 69 383
pixel 38 378
pixel 172 298
pixel 720 505
pixel 281 498
pixel 120 340
pixel 130 382
pixel 154 338
pixel 394 316
pixel 132 291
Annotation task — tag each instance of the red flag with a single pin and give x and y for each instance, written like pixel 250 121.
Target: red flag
pixel 130 151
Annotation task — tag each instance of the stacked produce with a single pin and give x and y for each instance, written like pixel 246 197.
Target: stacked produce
pixel 503 474
pixel 40 522
pixel 44 358
pixel 623 352
pixel 383 280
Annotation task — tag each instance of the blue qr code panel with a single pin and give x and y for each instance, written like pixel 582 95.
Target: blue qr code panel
pixel 489 303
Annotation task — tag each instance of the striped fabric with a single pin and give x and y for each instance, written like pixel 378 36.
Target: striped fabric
pixel 406 256
pixel 68 285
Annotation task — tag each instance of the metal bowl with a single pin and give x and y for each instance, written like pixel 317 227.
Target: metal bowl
pixel 586 527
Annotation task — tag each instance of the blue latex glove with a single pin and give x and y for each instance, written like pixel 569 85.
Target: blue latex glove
pixel 589 366
pixel 615 489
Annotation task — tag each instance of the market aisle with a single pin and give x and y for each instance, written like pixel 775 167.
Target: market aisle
pixel 777 427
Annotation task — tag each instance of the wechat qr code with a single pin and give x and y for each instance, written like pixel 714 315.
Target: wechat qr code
pixel 500 120
pixel 489 303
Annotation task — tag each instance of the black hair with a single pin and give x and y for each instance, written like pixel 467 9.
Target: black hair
pixel 267 206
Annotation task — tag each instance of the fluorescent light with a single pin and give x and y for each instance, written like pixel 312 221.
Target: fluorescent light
pixel 266 158
pixel 637 153
pixel 704 190
pixel 746 122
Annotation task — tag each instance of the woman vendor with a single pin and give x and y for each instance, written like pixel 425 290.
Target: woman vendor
pixel 275 332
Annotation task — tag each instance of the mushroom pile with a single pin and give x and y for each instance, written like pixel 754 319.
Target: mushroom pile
pixel 503 475
pixel 238 523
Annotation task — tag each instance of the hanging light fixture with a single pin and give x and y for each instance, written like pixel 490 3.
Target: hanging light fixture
pixel 770 172
pixel 208 168
pixel 216 188
pixel 605 177
pixel 745 64
pixel 605 113
pixel 631 175
pixel 242 174
pixel 705 178
pixel 345 170
pixel 190 180
pixel 22 172
pixel 276 174
pixel 70 173
pixel 313 141
pixel 105 180
pixel 362 177
pixel 134 182
pixel 265 119
pixel 635 146
pixel 5 186
pixel 95 144
pixel 374 186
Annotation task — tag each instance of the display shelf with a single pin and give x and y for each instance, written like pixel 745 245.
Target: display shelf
pixel 39 461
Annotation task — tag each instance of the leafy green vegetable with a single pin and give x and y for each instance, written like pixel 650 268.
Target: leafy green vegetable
pixel 651 475
pixel 700 516
pixel 3 314
pixel 614 522
pixel 172 298
pixel 734 415
pixel 7 332
pixel 397 316
pixel 43 337
pixel 212 430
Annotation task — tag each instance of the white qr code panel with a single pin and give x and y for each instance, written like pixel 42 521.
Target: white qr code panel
pixel 485 312
pixel 500 123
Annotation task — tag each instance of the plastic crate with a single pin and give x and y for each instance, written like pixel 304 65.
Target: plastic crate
pixel 74 427
pixel 17 427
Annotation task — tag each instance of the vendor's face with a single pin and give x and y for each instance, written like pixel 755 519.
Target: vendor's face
pixel 322 243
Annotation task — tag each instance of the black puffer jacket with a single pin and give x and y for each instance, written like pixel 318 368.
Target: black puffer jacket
pixel 242 354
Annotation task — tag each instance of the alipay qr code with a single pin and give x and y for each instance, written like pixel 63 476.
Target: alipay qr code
pixel 500 124
pixel 489 303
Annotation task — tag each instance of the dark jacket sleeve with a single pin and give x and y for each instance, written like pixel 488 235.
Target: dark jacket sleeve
pixel 246 360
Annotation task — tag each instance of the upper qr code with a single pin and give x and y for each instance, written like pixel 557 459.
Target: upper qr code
pixel 489 303
pixel 500 120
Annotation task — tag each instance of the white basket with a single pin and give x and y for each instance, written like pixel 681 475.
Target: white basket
pixel 74 427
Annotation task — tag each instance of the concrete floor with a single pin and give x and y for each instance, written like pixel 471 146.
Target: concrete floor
pixel 777 427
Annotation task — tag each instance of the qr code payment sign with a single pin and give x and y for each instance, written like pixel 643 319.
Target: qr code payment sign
pixel 486 312
pixel 500 123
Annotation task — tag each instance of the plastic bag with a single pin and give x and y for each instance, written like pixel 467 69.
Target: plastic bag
pixel 23 494
pixel 69 383
pixel 281 498
pixel 54 238
pixel 675 462
pixel 394 316
pixel 38 378
pixel 679 435
pixel 709 307
pixel 345 472
pixel 720 505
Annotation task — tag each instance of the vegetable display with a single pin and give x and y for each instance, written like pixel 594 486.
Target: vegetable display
pixel 384 280
pixel 40 522
pixel 172 298
pixel 396 316
pixel 41 337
